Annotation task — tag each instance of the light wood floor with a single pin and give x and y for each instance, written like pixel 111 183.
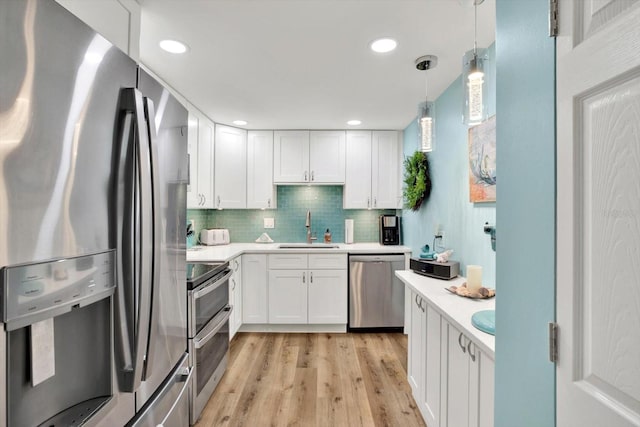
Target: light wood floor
pixel 314 380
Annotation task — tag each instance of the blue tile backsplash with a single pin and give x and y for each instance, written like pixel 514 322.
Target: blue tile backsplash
pixel 324 202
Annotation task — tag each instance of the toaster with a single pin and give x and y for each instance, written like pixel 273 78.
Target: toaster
pixel 214 236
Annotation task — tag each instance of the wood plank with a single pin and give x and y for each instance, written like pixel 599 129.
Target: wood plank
pixel 314 380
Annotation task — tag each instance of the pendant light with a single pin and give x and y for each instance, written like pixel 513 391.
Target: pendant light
pixel 426 109
pixel 473 78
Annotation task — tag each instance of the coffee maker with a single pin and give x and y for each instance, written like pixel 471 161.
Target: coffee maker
pixel 389 230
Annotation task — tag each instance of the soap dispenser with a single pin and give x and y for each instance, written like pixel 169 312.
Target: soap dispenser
pixel 327 236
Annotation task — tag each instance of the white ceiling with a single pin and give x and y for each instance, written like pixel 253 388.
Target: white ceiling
pixel 305 64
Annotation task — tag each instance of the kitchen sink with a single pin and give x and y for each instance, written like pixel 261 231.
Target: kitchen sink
pixel 308 246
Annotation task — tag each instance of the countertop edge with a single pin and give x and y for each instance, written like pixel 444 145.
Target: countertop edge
pixel 224 253
pixel 455 309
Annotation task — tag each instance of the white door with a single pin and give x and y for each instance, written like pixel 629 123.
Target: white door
pixel 598 217
pixel 288 296
pixel 205 163
pixel 327 299
pixel 235 294
pixel 193 196
pixel 327 156
pixel 457 379
pixel 254 288
pixel 386 188
pixel 291 156
pixel 416 340
pixel 432 366
pixel 261 193
pixel 357 184
pixel 230 168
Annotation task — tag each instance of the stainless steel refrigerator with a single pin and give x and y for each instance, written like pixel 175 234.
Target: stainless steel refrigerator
pixel 93 160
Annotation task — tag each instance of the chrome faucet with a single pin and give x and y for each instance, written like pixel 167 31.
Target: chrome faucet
pixel 307 224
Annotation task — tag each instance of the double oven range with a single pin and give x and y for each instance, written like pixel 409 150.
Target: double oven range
pixel 208 314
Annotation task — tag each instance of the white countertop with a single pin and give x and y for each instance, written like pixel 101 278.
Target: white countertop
pixel 456 310
pixel 230 251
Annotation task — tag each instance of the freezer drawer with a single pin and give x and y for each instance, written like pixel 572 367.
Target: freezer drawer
pixel 169 407
pixel 376 296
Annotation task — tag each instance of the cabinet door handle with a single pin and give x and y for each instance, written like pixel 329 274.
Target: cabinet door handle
pixel 464 350
pixel 368 202
pixel 471 355
pixel 233 288
pixel 311 277
pixel 269 202
pixel 305 176
pixel 304 277
pixel 218 201
pixel 417 303
pixel 375 202
pixel 421 307
pixel 235 261
pixel 312 177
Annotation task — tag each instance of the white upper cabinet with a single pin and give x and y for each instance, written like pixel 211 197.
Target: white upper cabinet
pixel 373 170
pixel 357 187
pixel 200 149
pixel 327 157
pixel 116 20
pixel 311 157
pixel 261 193
pixel 192 150
pixel 230 168
pixel 291 156
pixel 386 158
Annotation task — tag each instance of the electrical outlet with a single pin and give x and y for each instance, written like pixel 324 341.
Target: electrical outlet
pixel 442 239
pixel 269 223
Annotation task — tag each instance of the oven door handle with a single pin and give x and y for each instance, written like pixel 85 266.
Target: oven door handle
pixel 211 287
pixel 219 321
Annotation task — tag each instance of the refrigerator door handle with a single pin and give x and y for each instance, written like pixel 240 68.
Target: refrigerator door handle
pixel 124 240
pixel 136 238
pixel 149 111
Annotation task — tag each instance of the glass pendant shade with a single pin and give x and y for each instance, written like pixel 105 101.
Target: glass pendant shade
pixel 426 115
pixel 474 83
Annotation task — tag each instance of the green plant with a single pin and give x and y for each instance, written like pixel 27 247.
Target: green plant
pixel 417 180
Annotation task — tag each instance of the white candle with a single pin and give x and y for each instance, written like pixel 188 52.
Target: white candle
pixel 474 278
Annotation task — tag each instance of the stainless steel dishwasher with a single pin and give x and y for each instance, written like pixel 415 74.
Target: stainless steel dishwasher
pixel 376 295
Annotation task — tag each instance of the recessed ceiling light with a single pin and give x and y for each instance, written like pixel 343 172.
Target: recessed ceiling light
pixel 240 122
pixel 354 122
pixel 173 46
pixel 383 45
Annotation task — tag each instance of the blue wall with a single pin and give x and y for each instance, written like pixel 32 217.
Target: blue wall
pixel 324 202
pixel 525 56
pixel 449 206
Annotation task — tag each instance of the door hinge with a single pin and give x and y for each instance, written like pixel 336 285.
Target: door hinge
pixel 553 18
pixel 553 342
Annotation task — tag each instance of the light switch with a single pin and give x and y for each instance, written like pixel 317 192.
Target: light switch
pixel 269 223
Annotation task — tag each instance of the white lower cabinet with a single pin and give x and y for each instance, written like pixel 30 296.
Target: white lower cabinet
pixel 469 381
pixel 235 295
pixel 254 288
pixel 425 359
pixel 299 294
pixel 327 296
pixel 416 341
pixel 287 296
pixel 450 377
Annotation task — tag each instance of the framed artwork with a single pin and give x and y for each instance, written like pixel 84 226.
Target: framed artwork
pixel 482 162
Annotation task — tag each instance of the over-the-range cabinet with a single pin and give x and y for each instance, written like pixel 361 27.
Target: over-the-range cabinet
pixel 93 174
